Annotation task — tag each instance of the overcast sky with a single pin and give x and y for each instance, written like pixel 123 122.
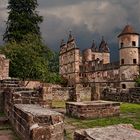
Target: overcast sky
pixel 87 19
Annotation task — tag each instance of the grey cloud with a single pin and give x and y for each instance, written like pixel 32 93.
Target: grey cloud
pixel 88 19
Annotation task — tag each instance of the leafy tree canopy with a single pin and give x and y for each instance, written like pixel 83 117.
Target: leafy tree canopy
pixel 27 58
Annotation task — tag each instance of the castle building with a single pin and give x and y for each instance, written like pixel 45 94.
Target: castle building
pixel 92 66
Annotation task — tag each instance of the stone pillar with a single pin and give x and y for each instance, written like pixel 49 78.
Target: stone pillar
pixel 74 94
pixel 46 97
pixel 95 92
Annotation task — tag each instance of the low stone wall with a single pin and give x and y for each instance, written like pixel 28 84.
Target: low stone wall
pixel 32 84
pixel 33 122
pixel 92 109
pixel 131 96
pixel 60 93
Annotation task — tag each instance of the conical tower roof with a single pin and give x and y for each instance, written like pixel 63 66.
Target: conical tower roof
pixel 93 47
pixel 128 29
pixel 103 47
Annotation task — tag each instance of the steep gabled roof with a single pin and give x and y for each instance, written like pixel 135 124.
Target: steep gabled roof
pixel 103 47
pixel 93 47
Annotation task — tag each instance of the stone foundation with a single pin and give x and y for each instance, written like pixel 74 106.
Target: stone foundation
pixel 33 122
pixel 92 109
pixel 116 132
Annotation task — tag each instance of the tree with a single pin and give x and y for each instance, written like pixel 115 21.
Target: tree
pixel 22 20
pixel 27 58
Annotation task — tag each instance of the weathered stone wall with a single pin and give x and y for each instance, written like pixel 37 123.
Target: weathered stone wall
pixel 93 109
pixel 33 122
pixel 4 67
pixel 26 96
pixel 28 112
pixel 131 95
pixel 32 84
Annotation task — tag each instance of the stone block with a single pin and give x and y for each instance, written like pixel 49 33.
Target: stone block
pixel 116 132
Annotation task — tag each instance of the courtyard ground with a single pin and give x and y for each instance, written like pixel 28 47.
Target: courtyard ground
pixel 130 114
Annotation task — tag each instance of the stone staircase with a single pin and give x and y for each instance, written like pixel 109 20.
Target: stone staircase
pixel 16 93
pixel 27 110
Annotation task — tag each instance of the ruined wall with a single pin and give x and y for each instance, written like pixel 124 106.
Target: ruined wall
pixel 131 95
pixel 22 95
pixel 28 112
pixel 59 93
pixel 32 84
pixel 4 67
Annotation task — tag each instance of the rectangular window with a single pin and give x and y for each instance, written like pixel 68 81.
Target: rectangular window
pixel 122 61
pixel 121 45
pixel 123 86
pixel 133 43
pixel 134 61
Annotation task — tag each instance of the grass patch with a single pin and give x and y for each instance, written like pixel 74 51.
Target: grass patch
pixel 130 114
pixel 58 104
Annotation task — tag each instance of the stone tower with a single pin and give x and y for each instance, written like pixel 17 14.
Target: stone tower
pixel 102 53
pixel 129 56
pixel 69 60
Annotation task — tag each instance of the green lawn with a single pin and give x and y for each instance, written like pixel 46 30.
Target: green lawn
pixel 58 104
pixel 130 114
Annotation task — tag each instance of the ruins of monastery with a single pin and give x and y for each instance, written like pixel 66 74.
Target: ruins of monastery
pixel 93 85
pixel 92 66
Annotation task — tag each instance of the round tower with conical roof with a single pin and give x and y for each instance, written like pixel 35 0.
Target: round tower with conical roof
pixel 129 56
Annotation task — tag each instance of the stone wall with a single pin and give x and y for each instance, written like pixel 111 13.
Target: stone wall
pixel 33 122
pixel 59 93
pixel 131 95
pixel 4 67
pixel 28 111
pixel 22 95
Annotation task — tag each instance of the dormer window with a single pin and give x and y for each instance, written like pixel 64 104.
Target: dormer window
pixel 133 43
